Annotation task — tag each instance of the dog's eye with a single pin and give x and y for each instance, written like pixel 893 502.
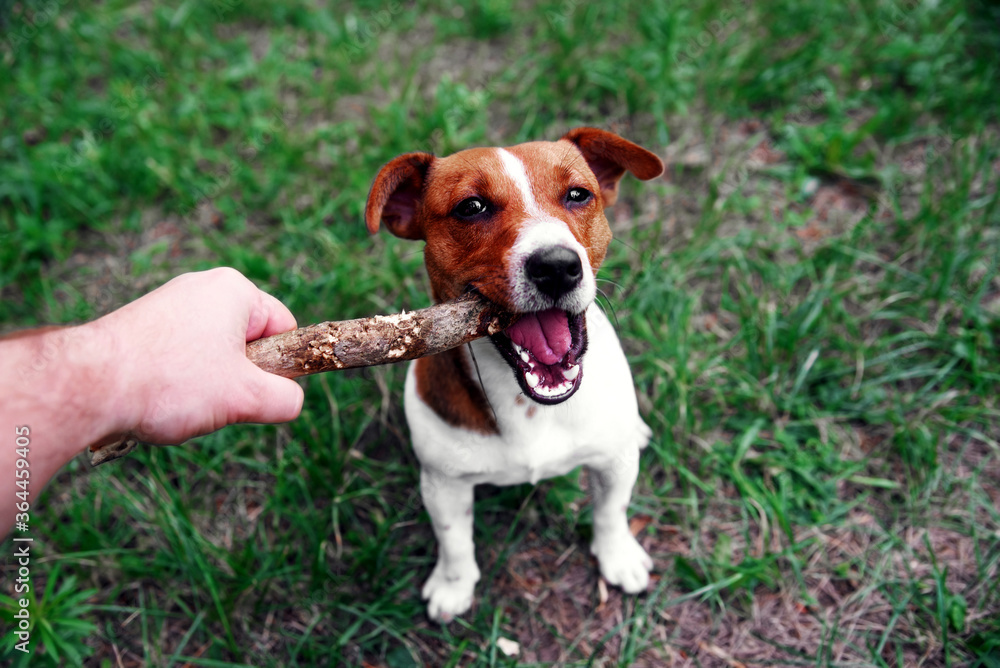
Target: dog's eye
pixel 578 195
pixel 470 207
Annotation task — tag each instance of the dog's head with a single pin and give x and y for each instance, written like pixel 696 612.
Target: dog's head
pixel 524 226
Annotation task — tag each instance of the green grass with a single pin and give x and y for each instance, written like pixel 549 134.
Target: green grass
pixel 810 301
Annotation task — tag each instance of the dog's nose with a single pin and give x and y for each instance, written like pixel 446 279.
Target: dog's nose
pixel 554 271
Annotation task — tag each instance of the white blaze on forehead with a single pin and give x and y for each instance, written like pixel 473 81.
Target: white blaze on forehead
pixel 514 169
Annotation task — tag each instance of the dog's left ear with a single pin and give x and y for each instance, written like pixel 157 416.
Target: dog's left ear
pixel 610 156
pixel 395 195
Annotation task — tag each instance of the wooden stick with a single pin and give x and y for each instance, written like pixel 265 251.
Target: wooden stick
pixel 349 344
pixel 381 339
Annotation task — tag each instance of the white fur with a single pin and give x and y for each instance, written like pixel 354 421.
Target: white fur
pixel 545 233
pixel 514 168
pixel 598 427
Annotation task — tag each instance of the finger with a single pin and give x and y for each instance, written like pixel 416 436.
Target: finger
pixel 268 317
pixel 271 398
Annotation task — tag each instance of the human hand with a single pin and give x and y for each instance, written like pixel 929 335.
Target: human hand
pixel 178 366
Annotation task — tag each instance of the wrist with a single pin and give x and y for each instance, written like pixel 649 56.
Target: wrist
pixel 88 386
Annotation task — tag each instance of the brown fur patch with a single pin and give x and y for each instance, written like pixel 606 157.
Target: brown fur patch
pixel 446 384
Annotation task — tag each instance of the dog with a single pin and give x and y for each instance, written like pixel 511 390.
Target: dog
pixel 523 226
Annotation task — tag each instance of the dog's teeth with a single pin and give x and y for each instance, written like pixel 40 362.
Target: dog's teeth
pixel 546 391
pixel 531 379
pixel 572 372
pixel 524 355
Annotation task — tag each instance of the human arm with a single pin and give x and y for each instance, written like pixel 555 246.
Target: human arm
pixel 165 368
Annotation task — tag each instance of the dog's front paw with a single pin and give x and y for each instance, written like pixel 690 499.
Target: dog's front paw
pixel 623 562
pixel 448 591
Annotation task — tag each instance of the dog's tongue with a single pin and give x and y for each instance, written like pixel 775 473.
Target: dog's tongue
pixel 545 334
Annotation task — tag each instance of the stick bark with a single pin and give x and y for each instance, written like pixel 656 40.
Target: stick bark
pixel 349 344
pixel 381 339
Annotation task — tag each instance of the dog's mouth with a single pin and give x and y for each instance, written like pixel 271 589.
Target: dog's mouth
pixel 545 349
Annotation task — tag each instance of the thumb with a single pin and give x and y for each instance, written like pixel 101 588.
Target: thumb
pixel 270 398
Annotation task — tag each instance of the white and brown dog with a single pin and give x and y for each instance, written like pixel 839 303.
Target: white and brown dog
pixel 524 226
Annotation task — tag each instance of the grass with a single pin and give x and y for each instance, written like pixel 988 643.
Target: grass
pixel 810 301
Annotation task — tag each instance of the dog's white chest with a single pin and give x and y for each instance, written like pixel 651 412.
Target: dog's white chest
pixel 536 447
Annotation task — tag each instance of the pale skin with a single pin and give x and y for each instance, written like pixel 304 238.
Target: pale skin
pixel 165 368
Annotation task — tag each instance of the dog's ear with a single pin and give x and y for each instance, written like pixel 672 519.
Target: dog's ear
pixel 609 156
pixel 395 195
